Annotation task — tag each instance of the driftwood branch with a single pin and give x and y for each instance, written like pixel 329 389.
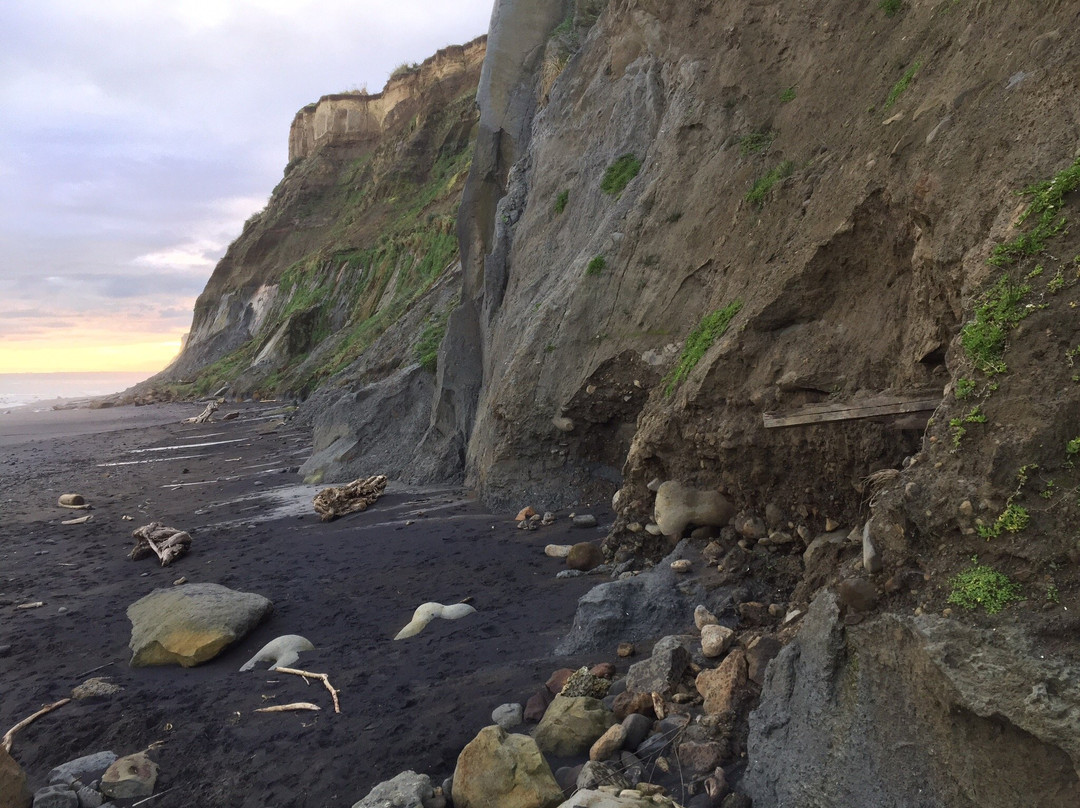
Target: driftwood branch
pixel 204 416
pixel 322 676
pixel 9 736
pixel 282 708
pixel 330 503
pixel 167 543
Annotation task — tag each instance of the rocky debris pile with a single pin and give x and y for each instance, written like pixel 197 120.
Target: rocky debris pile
pixel 92 780
pixel 192 623
pixel 359 495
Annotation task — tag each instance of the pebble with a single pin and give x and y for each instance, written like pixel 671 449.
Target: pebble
pixel 625 649
pixel 584 520
pixel 557 550
pixel 682 565
pixel 703 617
pixel 508 716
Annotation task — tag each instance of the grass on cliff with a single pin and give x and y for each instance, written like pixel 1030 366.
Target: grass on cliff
pixel 426 350
pixel 619 174
pixel 901 85
pixel 1047 203
pixel 984 339
pixel 761 188
pixel 983 586
pixel 712 327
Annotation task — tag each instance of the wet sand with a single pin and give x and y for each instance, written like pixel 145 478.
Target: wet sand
pixel 348 586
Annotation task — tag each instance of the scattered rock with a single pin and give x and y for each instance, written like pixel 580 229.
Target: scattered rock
pixel 129 777
pixel 547 519
pixel 609 744
pixel 720 686
pixel 584 556
pixel 557 681
pixel 751 527
pixel 87 768
pixel 190 624
pixel 406 790
pixel 856 595
pixel 759 655
pixel 597 775
pixel 625 650
pixel 505 770
pixel 715 640
pixel 636 728
pixel 681 565
pixel 678 506
pixel 93 688
pixel 558 550
pixel 753 613
pixel 631 703
pixel 583 682
pixel 524 514
pixel 537 705
pixel 660 673
pixel 584 520
pixel 56 796
pixel 700 757
pixel 71 501
pixel 653 529
pixel 571 725
pixel 703 617
pixel 871 557
pixel 13 790
pixel 89 797
pixel 563 424
pixel 508 716
pixel 605 670
pixel 633 768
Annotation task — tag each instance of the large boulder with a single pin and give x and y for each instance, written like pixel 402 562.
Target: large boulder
pixel 505 770
pixel 572 725
pixel 678 505
pixel 904 710
pixel 407 790
pixel 190 624
pixel 13 790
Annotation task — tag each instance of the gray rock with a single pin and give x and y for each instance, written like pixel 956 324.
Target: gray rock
pixel 130 776
pixel 595 774
pixel 660 673
pixel 86 768
pixel 843 721
pixel 508 716
pixel 406 790
pixel 90 797
pixel 633 769
pixel 871 557
pixel 56 796
pixel 190 624
pixel 584 520
pixel 637 728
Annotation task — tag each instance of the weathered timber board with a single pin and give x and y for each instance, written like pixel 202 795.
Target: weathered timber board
pixel 850 411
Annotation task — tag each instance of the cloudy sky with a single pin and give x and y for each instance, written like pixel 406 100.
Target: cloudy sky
pixel 136 136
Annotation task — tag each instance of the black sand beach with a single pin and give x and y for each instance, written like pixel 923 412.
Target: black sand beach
pixel 348 586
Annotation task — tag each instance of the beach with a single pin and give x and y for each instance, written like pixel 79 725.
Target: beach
pixel 347 585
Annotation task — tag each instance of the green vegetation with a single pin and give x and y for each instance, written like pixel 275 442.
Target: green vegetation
pixel 1052 594
pixel 974 416
pixel 596 265
pixel 619 174
pixel 755 142
pixel 404 69
pixel 1056 284
pixel 761 188
pixel 1072 448
pixel 1013 519
pixel 1047 202
pixel 561 200
pixel 964 388
pixel 891 7
pixel 981 585
pixel 711 328
pixel 901 85
pixel 984 339
pixel 787 95
pixel 426 350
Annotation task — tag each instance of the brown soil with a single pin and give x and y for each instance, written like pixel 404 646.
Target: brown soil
pixel 347 585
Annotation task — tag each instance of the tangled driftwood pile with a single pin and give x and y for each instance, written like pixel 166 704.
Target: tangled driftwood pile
pixel 330 503
pixel 167 543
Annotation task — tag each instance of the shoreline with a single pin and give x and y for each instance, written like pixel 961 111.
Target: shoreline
pixel 347 585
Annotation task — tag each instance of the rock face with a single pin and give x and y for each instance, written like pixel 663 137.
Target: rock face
pixel 898 706
pixel 572 725
pixel 190 624
pixel 407 790
pixel 13 790
pixel 505 770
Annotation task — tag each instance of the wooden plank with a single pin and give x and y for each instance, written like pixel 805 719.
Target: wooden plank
pixel 850 411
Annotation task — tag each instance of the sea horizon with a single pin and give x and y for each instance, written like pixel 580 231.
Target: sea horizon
pixel 26 389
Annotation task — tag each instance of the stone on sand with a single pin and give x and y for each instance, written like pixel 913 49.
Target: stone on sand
pixel 572 725
pixel 129 777
pixel 505 770
pixel 678 505
pixel 190 624
pixel 406 790
pixel 86 768
pixel 508 716
pixel 584 556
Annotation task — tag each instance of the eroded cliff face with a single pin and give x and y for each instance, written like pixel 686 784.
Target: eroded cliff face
pixel 357 239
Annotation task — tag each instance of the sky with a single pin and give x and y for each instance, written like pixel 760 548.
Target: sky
pixel 137 136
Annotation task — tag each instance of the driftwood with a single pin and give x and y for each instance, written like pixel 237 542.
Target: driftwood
pixel 78 520
pixel 284 708
pixel 325 680
pixel 330 503
pixel 167 543
pixel 204 416
pixel 9 736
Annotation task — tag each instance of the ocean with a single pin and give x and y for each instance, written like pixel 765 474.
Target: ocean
pixel 26 389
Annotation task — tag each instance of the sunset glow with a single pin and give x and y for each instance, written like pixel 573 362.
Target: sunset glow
pixel 147 353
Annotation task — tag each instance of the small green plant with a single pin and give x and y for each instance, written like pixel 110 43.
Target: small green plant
pixel 1013 519
pixel 1072 355
pixel 901 85
pixel 1052 594
pixel 1056 284
pixel 619 174
pixel 787 95
pixel 561 200
pixel 1072 448
pixel 891 7
pixel 964 389
pixel 711 328
pixel 761 188
pixel 426 350
pixel 1048 492
pixel 983 586
pixel 984 339
pixel 974 416
pixel 755 142
pixel 596 265
pixel 1039 269
pixel 1047 202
